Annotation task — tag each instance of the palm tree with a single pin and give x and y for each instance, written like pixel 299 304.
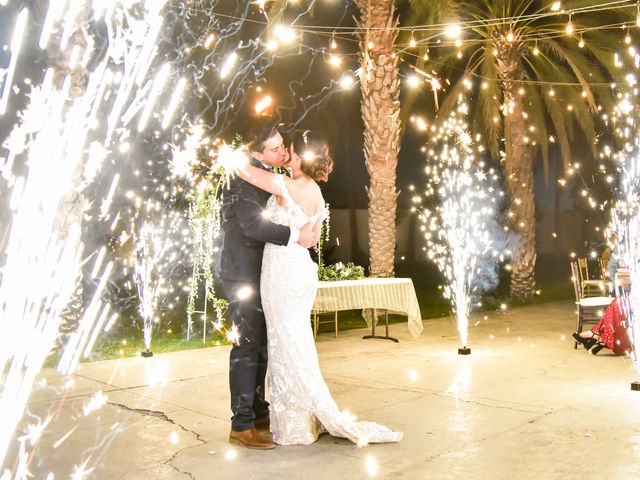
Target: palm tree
pixel 380 88
pixel 541 76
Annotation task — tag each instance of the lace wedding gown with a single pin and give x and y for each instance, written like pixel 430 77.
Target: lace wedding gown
pixel 301 405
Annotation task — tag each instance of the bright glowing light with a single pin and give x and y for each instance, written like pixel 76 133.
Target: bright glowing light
pixel 264 103
pixel 555 6
pixel 156 90
pixel 371 465
pixel 244 293
pixel 308 156
pixel 209 41
pixel 228 65
pixel 335 60
pixel 284 34
pixel 413 81
pixel 569 29
pixel 176 97
pixel 272 45
pixel 16 43
pixel 453 31
pixel 346 82
pixel 95 403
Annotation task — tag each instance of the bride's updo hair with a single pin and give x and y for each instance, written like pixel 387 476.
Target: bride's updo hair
pixel 313 150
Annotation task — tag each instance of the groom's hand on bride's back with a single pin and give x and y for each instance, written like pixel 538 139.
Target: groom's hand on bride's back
pixel 307 237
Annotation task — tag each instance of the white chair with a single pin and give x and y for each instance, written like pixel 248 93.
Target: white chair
pixel 589 309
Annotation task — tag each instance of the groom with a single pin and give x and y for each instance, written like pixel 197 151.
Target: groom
pixel 246 230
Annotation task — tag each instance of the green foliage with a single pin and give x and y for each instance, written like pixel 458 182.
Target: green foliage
pixel 579 73
pixel 205 216
pixel 340 271
pixel 325 230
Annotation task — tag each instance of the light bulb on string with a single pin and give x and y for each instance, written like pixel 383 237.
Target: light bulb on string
pixel 535 49
pixel 412 42
pixel 569 29
pixel 510 36
pixel 581 42
pixel 334 45
pixel 627 38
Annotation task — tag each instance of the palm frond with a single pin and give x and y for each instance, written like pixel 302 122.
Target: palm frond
pixel 488 110
pixel 557 116
pixel 538 119
pixel 578 64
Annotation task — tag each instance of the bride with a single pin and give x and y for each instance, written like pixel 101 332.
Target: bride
pixel 301 405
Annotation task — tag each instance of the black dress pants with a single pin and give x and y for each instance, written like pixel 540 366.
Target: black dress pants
pixel 248 359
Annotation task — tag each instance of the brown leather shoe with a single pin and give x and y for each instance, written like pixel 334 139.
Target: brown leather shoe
pixel 262 423
pixel 250 439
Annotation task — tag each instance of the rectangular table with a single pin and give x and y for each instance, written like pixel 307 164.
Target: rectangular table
pixel 395 295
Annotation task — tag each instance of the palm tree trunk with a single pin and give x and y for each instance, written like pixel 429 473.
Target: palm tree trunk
pixel 380 88
pixel 518 169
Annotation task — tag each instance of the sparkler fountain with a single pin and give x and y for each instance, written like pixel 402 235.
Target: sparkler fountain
pixel 625 119
pixel 134 75
pixel 47 147
pixel 461 230
pixel 150 246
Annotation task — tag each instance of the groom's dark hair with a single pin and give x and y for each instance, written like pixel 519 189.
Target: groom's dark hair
pixel 260 133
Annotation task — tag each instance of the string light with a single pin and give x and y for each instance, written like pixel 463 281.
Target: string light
pixel 413 80
pixel 569 29
pixel 453 31
pixel 412 42
pixel 581 42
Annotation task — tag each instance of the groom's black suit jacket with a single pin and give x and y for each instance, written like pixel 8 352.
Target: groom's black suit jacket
pixel 246 230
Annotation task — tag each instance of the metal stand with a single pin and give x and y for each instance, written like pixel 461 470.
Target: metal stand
pixel 146 354
pixel 204 314
pixel 635 386
pixel 386 326
pixel 464 351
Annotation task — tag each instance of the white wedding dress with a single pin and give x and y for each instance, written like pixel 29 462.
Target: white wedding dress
pixel 301 405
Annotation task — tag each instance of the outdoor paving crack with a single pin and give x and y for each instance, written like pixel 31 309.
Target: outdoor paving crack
pixel 163 416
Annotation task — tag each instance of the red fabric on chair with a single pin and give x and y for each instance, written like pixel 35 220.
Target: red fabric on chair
pixel 612 329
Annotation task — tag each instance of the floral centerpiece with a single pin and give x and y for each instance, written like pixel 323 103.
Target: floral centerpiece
pixel 340 271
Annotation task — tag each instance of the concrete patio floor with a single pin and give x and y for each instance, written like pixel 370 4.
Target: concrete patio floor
pixel 524 405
